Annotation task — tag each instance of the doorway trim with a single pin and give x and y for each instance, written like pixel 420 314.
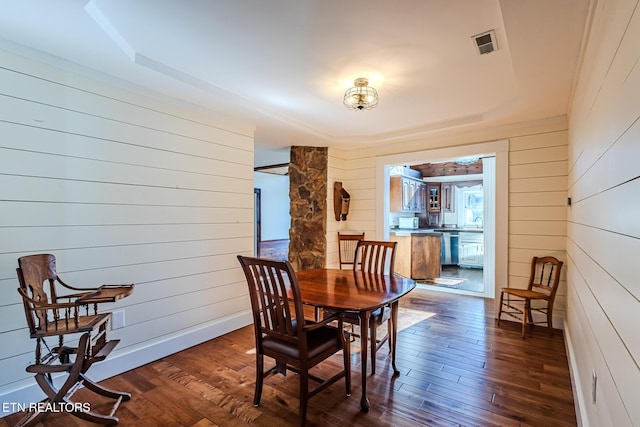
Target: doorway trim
pixel 499 150
pixel 257 221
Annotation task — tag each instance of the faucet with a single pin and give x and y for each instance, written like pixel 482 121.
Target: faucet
pixel 479 218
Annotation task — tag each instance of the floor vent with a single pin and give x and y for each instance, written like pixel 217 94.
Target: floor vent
pixel 485 42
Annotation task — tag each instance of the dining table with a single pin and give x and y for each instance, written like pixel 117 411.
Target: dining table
pixel 359 292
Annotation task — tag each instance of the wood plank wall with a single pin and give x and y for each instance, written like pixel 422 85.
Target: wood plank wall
pixel 537 208
pixel 358 182
pixel 537 191
pixel 603 227
pixel 122 188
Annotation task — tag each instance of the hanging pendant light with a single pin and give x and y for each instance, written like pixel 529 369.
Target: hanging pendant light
pixel 361 96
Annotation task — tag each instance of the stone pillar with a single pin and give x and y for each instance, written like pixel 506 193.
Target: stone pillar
pixel 308 198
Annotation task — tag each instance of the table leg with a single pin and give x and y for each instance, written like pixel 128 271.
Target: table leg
pixel 393 336
pixel 364 340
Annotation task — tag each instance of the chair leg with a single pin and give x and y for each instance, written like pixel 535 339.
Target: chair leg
pixel 393 336
pixel 374 345
pixel 103 391
pixel 550 320
pixel 526 313
pixel 259 377
pixel 346 355
pixel 500 309
pixel 304 395
pixel 75 379
pixel 32 418
pixel 390 334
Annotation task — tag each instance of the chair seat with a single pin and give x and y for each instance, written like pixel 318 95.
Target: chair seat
pixel 69 326
pixel 378 317
pixel 525 293
pixel 318 341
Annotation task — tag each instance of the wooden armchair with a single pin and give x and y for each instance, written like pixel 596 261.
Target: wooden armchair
pixel 282 333
pixel 51 315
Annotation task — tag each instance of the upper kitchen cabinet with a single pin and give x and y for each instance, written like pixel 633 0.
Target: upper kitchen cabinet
pixel 434 198
pixel 407 194
pixel 448 197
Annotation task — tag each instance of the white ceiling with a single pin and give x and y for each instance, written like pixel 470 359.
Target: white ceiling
pixel 285 64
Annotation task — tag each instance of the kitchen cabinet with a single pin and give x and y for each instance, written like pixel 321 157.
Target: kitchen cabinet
pixel 448 197
pixel 433 197
pixel 421 197
pixel 407 194
pixel 471 250
pixel 418 255
pixel 403 254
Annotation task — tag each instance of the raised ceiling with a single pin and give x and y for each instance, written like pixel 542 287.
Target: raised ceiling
pixel 285 64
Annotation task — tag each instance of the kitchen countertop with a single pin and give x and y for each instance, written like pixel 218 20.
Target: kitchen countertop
pixel 414 231
pixel 435 231
pixel 462 230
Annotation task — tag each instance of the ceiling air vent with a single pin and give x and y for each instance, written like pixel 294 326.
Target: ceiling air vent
pixel 485 42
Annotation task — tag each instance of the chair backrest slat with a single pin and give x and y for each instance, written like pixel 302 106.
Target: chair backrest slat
pixel 375 256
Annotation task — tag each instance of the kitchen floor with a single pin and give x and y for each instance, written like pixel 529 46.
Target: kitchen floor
pixel 463 279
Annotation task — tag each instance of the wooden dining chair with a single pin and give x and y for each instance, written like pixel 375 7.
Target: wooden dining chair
pixel 51 315
pixel 347 248
pixel 346 256
pixel 282 333
pixel 375 257
pixel 541 289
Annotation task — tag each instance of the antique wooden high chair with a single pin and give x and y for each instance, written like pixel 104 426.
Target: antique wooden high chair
pixel 50 315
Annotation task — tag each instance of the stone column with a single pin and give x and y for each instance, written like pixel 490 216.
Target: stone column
pixel 308 198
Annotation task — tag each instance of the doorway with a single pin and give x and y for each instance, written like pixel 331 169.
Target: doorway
pixel 495 196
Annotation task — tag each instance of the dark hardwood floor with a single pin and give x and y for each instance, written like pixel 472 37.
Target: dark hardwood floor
pixel 457 369
pixel 274 249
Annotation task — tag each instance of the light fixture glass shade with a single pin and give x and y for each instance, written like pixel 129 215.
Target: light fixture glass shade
pixel 467 160
pixel 361 96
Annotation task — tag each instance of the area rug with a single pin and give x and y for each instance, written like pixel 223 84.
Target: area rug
pixel 449 282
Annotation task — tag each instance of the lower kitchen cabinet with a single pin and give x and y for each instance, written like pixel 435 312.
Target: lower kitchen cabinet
pixel 403 255
pixel 418 255
pixel 471 250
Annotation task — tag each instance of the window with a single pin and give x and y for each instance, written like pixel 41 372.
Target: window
pixel 473 208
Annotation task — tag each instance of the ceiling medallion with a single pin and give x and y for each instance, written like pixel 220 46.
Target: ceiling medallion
pixel 361 96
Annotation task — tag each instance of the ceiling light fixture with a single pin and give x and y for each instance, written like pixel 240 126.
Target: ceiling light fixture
pixel 361 96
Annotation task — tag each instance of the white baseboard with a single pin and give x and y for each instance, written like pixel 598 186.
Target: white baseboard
pixel 578 397
pixel 138 355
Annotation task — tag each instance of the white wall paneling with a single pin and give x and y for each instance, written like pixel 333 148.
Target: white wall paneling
pixel 122 188
pixel 603 234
